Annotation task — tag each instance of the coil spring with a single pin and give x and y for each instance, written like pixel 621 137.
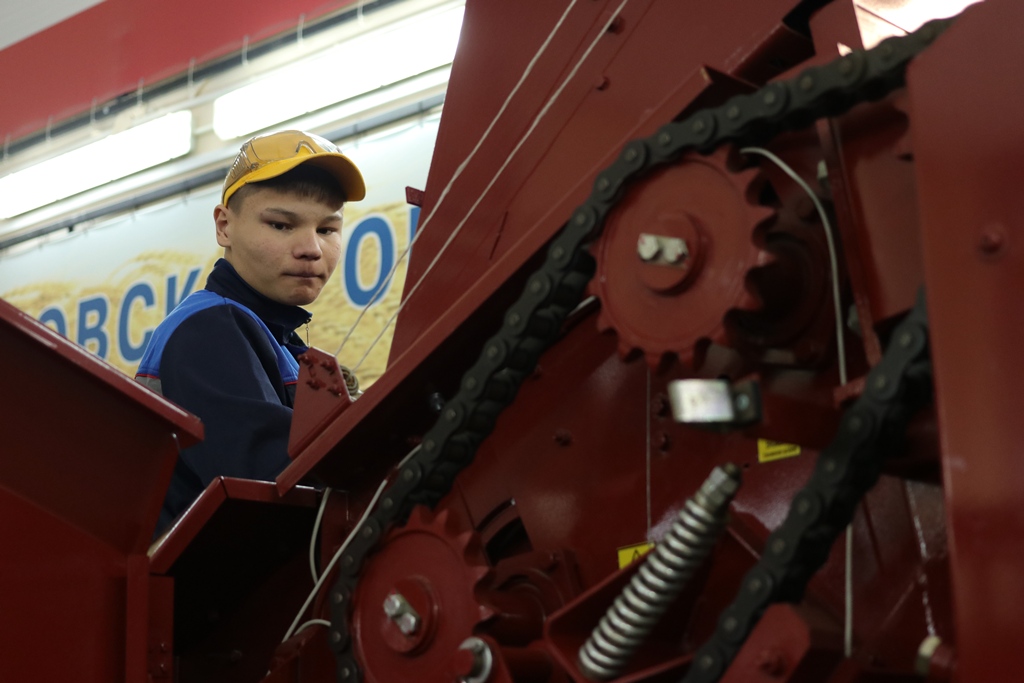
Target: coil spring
pixel 660 578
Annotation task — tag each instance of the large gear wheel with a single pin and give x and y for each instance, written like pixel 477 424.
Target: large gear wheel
pixel 675 254
pixel 416 600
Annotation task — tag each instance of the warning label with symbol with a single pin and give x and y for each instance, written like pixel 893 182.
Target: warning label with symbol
pixel 631 553
pixel 768 451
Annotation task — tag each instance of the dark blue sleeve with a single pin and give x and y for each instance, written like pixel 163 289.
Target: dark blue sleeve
pixel 219 365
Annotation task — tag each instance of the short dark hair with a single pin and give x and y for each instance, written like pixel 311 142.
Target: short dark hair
pixel 306 181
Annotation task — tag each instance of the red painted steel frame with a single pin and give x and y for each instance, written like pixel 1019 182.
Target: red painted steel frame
pixel 564 462
pixel 87 455
pixel 969 148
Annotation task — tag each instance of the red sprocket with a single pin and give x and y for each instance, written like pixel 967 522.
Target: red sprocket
pixel 671 297
pixel 416 600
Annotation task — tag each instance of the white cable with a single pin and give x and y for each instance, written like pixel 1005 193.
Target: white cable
pixel 647 457
pixel 540 115
pixel 316 527
pixel 841 353
pixel 312 622
pixel 334 560
pixel 455 176
pixel 833 259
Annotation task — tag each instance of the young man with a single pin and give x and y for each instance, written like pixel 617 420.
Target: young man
pixel 228 352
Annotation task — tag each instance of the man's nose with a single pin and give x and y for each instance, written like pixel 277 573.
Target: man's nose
pixel 307 245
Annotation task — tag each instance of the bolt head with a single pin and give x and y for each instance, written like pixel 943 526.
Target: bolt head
pixel 408 623
pixel 393 605
pixel 647 247
pixel 674 250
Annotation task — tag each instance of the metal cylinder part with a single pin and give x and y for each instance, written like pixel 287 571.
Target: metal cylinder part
pixel 660 578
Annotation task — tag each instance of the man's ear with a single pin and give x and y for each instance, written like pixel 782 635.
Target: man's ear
pixel 222 219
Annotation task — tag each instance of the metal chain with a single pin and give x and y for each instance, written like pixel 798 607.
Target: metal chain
pixel 869 431
pixel 554 290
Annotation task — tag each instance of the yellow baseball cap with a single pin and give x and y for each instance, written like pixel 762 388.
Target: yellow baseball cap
pixel 268 156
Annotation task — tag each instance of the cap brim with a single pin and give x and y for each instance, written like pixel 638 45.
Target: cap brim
pixel 339 165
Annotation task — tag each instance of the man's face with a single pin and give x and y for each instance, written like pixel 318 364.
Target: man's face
pixel 284 246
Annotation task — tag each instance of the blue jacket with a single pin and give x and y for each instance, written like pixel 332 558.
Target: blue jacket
pixel 227 354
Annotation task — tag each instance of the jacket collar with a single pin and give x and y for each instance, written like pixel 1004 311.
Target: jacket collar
pixel 281 319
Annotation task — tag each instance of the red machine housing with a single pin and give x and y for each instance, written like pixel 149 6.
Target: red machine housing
pixel 512 569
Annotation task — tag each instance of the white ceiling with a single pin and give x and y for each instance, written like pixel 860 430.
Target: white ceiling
pixel 19 19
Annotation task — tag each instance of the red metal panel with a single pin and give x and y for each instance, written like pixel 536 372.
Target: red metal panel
pixel 240 566
pixel 106 50
pixel 87 455
pixel 82 440
pixel 969 149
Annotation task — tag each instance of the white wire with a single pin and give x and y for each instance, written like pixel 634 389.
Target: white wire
pixel 316 527
pixel 540 115
pixel 312 622
pixel 455 176
pixel 841 353
pixel 334 560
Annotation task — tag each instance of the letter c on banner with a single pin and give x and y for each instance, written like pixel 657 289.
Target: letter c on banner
pixel 369 226
pixel 140 290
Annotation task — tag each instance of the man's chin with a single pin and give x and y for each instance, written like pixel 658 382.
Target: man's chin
pixel 299 298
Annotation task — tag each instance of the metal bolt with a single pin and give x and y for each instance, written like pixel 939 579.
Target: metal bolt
pixel 408 624
pixel 393 605
pixel 674 249
pixel 647 246
pixel 991 242
pixel 771 663
pixel 398 610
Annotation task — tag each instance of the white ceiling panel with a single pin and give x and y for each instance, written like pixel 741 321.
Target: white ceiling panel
pixel 19 19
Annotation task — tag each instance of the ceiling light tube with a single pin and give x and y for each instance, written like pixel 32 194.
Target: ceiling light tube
pixel 361 65
pixel 97 163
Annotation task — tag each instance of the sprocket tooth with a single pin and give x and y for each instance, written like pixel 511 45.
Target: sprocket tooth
pixel 420 516
pixel 657 359
pixel 465 542
pixel 748 177
pixel 441 520
pixel 626 350
pixel 761 214
pixel 480 573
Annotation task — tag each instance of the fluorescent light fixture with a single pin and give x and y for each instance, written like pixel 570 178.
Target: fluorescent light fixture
pixel 92 165
pixel 361 65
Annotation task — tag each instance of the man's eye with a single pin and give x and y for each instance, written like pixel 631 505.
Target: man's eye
pixel 277 226
pixel 327 231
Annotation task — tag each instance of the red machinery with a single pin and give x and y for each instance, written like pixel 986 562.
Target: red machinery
pixel 604 217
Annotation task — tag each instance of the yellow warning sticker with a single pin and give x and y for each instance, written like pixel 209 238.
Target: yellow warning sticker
pixel 767 451
pixel 631 553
